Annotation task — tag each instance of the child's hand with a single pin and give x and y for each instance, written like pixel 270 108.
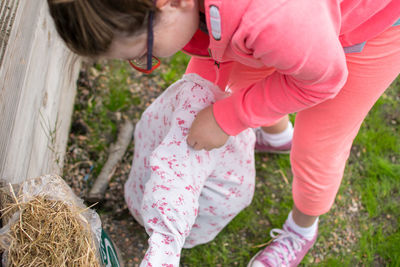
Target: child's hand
pixel 205 133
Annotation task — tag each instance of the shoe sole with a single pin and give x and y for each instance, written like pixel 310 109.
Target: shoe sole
pixel 253 259
pixel 273 152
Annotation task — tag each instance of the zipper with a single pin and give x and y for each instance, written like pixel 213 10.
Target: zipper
pixel 216 63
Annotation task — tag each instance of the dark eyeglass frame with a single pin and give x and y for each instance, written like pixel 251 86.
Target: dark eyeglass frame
pixel 150 40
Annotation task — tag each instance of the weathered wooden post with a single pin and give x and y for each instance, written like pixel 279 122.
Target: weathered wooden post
pixel 37 88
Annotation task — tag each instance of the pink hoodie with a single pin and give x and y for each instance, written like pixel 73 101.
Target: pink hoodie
pixel 302 39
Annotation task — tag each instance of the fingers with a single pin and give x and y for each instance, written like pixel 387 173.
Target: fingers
pixel 193 144
pixel 190 141
pixel 197 145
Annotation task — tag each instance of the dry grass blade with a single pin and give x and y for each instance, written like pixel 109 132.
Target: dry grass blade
pixel 263 245
pixel 49 233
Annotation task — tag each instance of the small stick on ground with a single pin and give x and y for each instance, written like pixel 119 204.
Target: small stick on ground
pixel 117 151
pixel 283 176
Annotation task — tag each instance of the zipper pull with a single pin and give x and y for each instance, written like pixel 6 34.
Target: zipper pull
pixel 215 62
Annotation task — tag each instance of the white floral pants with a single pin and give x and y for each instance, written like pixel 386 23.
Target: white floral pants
pixel 184 197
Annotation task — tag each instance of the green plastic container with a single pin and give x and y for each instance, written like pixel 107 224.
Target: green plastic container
pixel 108 252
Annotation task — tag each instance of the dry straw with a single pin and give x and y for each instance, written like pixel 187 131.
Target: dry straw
pixel 47 233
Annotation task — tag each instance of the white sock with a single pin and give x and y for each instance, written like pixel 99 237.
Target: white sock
pixel 279 139
pixel 307 232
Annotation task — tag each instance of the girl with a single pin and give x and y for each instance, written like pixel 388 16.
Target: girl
pixel 331 59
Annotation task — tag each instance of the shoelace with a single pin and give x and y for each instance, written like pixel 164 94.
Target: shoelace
pixel 284 238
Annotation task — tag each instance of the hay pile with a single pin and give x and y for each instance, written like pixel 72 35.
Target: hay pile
pixel 47 233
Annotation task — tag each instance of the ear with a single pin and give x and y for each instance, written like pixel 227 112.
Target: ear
pixel 185 4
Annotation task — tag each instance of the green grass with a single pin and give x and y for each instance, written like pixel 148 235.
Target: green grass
pixel 176 67
pixel 363 227
pixel 378 181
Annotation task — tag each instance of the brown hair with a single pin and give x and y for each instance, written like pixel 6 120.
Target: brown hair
pixel 89 26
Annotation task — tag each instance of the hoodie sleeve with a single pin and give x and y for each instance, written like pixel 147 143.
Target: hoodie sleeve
pixel 300 40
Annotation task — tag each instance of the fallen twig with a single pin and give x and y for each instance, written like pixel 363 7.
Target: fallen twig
pixel 117 150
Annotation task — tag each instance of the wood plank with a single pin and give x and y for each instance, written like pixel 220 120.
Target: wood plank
pixel 7 15
pixel 37 89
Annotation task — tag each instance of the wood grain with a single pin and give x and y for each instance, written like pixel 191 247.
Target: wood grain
pixel 37 89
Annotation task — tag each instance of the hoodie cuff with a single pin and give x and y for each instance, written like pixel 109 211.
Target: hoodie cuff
pixel 225 114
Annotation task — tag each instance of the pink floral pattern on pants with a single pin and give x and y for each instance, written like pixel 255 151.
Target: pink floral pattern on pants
pixel 184 197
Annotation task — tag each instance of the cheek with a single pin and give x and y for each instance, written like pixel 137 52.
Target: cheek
pixel 168 47
pixel 173 42
pixel 162 48
pixel 174 35
pixel 124 48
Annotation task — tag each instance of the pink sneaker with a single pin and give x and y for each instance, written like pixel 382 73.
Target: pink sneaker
pixel 263 146
pixel 287 249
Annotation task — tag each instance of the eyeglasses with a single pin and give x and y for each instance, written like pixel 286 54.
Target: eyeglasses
pixel 148 63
